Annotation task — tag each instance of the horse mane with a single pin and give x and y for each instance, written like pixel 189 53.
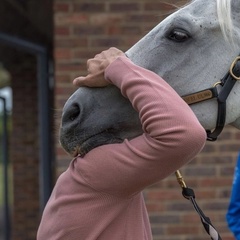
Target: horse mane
pixel 224 17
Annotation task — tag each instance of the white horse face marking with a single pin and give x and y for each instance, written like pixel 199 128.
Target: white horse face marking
pixel 189 51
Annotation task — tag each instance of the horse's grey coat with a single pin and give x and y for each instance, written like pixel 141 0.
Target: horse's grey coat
pixel 96 116
pixel 188 50
pixel 196 63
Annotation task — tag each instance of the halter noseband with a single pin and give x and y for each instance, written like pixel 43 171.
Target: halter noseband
pixel 227 83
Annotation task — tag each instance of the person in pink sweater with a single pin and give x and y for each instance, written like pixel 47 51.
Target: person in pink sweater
pixel 100 195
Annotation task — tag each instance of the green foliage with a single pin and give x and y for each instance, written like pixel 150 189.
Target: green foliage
pixel 9 124
pixel 9 127
pixel 2 185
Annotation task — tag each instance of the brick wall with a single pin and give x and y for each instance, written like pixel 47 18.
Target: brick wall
pixel 24 151
pixel 82 29
pixel 210 175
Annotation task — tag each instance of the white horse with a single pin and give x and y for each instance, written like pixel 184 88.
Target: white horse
pixel 192 49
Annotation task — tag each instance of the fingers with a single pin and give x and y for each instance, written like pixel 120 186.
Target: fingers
pixel 91 80
pixel 79 81
pixel 93 65
pixel 111 54
pixel 96 67
pixel 98 56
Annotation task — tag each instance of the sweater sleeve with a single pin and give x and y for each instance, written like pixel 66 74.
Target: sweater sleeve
pixel 172 135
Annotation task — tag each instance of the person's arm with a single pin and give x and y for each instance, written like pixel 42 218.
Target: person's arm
pixel 233 214
pixel 172 134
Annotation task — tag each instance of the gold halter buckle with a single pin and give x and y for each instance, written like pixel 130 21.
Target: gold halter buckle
pixel 232 66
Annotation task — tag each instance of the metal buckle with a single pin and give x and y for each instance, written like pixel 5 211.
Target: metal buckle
pixel 217 83
pixel 232 66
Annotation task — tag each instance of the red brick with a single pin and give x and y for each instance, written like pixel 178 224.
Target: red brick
pixel 88 7
pixel 124 7
pixel 154 207
pixel 24 155
pixel 182 229
pixel 63 78
pixel 216 182
pixel 126 30
pixel 237 135
pixel 63 53
pixel 162 195
pixel 64 90
pixel 61 31
pixel 66 67
pixel 87 30
pixel 61 7
pixel 85 53
pixel 103 19
pixel 106 42
pixel 76 42
pixel 142 18
pixel 159 6
pixel 71 19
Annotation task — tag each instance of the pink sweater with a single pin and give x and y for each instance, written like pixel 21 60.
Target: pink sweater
pixel 100 195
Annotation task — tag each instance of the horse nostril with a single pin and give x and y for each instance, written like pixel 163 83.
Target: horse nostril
pixel 75 111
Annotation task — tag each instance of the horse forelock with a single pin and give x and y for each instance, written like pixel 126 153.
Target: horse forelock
pixel 224 12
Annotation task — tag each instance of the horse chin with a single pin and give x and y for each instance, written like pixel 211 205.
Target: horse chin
pixel 103 138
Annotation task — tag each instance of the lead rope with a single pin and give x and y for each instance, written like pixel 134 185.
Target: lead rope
pixel 227 84
pixel 189 194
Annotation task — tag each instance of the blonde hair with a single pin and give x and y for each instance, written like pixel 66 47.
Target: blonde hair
pixel 224 16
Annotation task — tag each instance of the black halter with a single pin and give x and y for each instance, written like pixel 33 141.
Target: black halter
pixel 227 83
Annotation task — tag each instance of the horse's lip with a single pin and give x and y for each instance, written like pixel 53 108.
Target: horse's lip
pixel 85 147
pixel 80 150
pixel 76 151
pixel 109 130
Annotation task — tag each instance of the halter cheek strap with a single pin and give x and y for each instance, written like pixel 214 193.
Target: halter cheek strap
pixel 227 84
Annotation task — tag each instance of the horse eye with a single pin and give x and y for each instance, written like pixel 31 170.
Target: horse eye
pixel 178 35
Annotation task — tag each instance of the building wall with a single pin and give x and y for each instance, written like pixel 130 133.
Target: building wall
pixel 82 29
pixel 24 153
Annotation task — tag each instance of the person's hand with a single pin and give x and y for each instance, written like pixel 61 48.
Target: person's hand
pixel 96 67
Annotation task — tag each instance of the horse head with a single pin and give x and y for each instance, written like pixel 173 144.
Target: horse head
pixel 191 49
